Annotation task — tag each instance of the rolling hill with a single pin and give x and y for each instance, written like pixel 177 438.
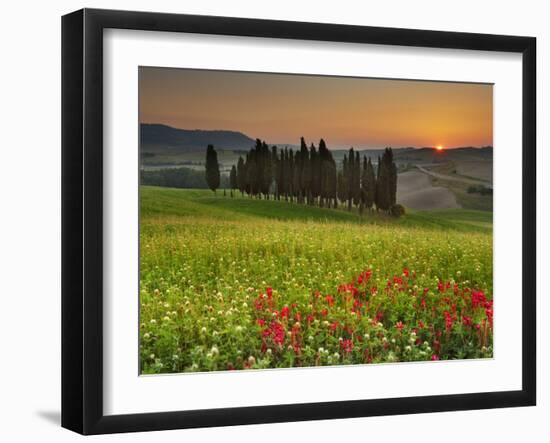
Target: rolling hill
pixel 155 138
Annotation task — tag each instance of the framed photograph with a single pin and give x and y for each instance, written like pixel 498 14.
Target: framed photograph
pixel 269 221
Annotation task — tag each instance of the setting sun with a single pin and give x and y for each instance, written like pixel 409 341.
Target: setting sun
pixel 439 148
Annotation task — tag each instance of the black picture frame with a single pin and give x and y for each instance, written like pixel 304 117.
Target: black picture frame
pixel 82 218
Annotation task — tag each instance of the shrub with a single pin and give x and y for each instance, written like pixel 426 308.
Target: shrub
pixel 480 189
pixel 397 210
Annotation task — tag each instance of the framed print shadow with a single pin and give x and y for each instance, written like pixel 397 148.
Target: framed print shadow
pixel 268 221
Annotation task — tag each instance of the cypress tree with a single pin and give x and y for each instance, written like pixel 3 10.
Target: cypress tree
pixel 295 161
pixel 285 174
pixel 327 173
pixel 392 168
pixel 233 179
pixel 343 181
pixel 280 174
pixel 258 169
pixel 357 179
pixel 275 171
pixel 364 185
pixel 340 189
pixel 315 161
pixel 332 180
pixel 247 174
pixel 251 173
pixel 384 183
pixel 304 170
pixel 377 187
pixel 393 184
pixel 212 168
pixel 241 175
pixel 267 172
pixel 370 186
pixel 350 179
pixel 387 181
pixel 323 173
pixel 290 175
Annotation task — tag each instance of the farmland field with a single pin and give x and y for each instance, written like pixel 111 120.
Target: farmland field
pixel 245 283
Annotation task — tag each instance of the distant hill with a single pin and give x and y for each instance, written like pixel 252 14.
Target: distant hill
pixel 431 155
pixel 162 145
pixel 157 138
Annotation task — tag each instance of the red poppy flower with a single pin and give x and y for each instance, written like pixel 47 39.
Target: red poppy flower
pixel 346 345
pixel 478 298
pixel 285 312
pixel 448 320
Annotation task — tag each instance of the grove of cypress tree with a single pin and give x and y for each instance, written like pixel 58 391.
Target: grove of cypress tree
pixel 310 175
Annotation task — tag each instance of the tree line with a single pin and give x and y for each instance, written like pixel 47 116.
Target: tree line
pixel 180 177
pixel 310 176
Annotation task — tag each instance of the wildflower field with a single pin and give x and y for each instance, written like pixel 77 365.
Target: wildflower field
pixel 239 283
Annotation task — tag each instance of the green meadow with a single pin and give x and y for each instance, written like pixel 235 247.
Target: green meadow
pixel 244 283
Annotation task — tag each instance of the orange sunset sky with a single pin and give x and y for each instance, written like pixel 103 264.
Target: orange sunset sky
pixel 359 112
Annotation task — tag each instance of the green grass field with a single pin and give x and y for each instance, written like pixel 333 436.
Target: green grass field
pixel 467 200
pixel 193 160
pixel 238 283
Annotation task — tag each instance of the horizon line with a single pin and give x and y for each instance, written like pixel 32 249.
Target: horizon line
pixel 336 148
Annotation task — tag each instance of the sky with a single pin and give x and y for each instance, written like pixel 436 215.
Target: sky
pixel 344 111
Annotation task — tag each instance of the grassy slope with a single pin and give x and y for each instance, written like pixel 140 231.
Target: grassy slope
pixel 466 200
pixel 474 201
pixel 190 202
